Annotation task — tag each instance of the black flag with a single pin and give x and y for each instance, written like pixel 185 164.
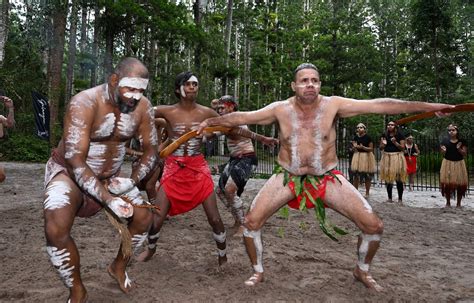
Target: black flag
pixel 41 108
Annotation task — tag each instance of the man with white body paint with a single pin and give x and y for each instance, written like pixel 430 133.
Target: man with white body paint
pixel 82 174
pixel 240 167
pixel 308 148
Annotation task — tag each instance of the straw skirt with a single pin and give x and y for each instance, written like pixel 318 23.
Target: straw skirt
pixel 453 176
pixel 363 163
pixel 393 167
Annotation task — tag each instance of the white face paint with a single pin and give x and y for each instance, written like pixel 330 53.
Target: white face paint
pixel 59 259
pixel 136 96
pixel 133 82
pixel 191 79
pixel 57 195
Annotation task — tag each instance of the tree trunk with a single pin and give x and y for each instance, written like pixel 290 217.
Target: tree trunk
pixel 95 45
pixel 197 21
pixel 72 51
pixel 228 31
pixel 109 47
pixel 3 28
pixel 56 52
pixel 83 44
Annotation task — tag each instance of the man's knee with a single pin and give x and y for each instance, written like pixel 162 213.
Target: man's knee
pixel 252 223
pixel 56 234
pixel 374 226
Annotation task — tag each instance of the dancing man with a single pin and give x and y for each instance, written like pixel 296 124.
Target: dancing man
pixel 240 167
pixel 81 175
pixel 7 122
pixel 308 152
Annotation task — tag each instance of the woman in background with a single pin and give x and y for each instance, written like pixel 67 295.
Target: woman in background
pixel 363 159
pixel 411 154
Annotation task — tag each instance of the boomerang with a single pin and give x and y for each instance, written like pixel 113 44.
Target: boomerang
pixel 175 144
pixel 466 107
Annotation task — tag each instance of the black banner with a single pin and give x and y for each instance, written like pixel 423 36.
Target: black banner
pixel 41 108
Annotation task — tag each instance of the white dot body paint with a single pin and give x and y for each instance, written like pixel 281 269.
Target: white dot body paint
pixel 317 162
pixel 364 248
pixel 295 158
pixel 59 259
pixel 133 82
pixel 57 195
pixel 126 125
pixel 107 127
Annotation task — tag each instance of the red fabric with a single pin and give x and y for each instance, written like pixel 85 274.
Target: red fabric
pixel 411 164
pixel 315 193
pixel 187 182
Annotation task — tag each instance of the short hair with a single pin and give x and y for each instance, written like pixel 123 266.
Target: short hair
pixel 304 66
pixel 180 79
pixel 229 99
pixel 131 66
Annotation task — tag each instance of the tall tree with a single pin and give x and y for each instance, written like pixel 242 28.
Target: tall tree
pixel 58 13
pixel 4 9
pixel 71 49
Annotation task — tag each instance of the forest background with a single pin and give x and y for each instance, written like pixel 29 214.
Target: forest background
pixel 413 50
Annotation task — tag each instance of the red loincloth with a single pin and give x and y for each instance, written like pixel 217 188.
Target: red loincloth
pixel 315 193
pixel 411 165
pixel 187 182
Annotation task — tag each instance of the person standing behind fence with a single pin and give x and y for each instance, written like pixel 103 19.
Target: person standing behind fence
pixel 363 160
pixel 241 166
pixel 6 122
pixel 392 165
pixel 411 154
pixel 453 174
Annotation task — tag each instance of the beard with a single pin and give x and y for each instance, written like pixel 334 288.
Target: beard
pixel 124 105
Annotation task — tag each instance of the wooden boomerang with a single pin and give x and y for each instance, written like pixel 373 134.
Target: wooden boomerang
pixel 174 145
pixel 466 107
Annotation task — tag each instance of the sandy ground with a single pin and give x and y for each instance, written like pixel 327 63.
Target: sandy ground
pixel 426 254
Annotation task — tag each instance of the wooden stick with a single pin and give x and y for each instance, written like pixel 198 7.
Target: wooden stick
pixel 184 138
pixel 466 107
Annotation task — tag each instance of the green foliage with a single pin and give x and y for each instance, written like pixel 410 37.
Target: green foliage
pixel 24 148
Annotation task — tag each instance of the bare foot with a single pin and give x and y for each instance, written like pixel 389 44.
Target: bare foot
pixel 145 255
pixel 366 279
pixel 254 279
pixel 122 279
pixel 222 260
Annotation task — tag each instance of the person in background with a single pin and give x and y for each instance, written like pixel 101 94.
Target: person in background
pixel 392 165
pixel 411 154
pixel 453 173
pixel 6 122
pixel 363 160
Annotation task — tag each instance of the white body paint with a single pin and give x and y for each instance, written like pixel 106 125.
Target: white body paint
pixel 126 125
pixel 137 241
pixel 257 241
pixel 57 195
pixel 121 208
pixel 136 96
pixel 133 82
pixel 59 259
pixel 75 133
pixel 364 248
pixel 119 185
pixel 107 127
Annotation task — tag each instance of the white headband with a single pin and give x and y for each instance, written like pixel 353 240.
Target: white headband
pixel 133 82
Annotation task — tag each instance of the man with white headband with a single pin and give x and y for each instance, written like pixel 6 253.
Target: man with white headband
pixel 82 174
pixel 306 175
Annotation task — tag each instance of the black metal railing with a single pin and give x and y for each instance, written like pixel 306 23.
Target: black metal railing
pixel 428 162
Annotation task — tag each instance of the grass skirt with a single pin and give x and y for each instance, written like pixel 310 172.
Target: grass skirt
pixel 363 163
pixel 453 177
pixel 393 167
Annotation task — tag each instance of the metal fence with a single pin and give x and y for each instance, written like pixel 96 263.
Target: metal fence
pixel 428 162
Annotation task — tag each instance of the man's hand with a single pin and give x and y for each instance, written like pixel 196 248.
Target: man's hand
pixel 121 208
pixel 269 141
pixel 202 126
pixel 118 185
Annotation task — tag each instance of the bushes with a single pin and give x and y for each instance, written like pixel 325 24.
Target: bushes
pixel 24 148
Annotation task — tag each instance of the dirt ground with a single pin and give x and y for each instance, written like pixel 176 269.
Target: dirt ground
pixel 426 254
